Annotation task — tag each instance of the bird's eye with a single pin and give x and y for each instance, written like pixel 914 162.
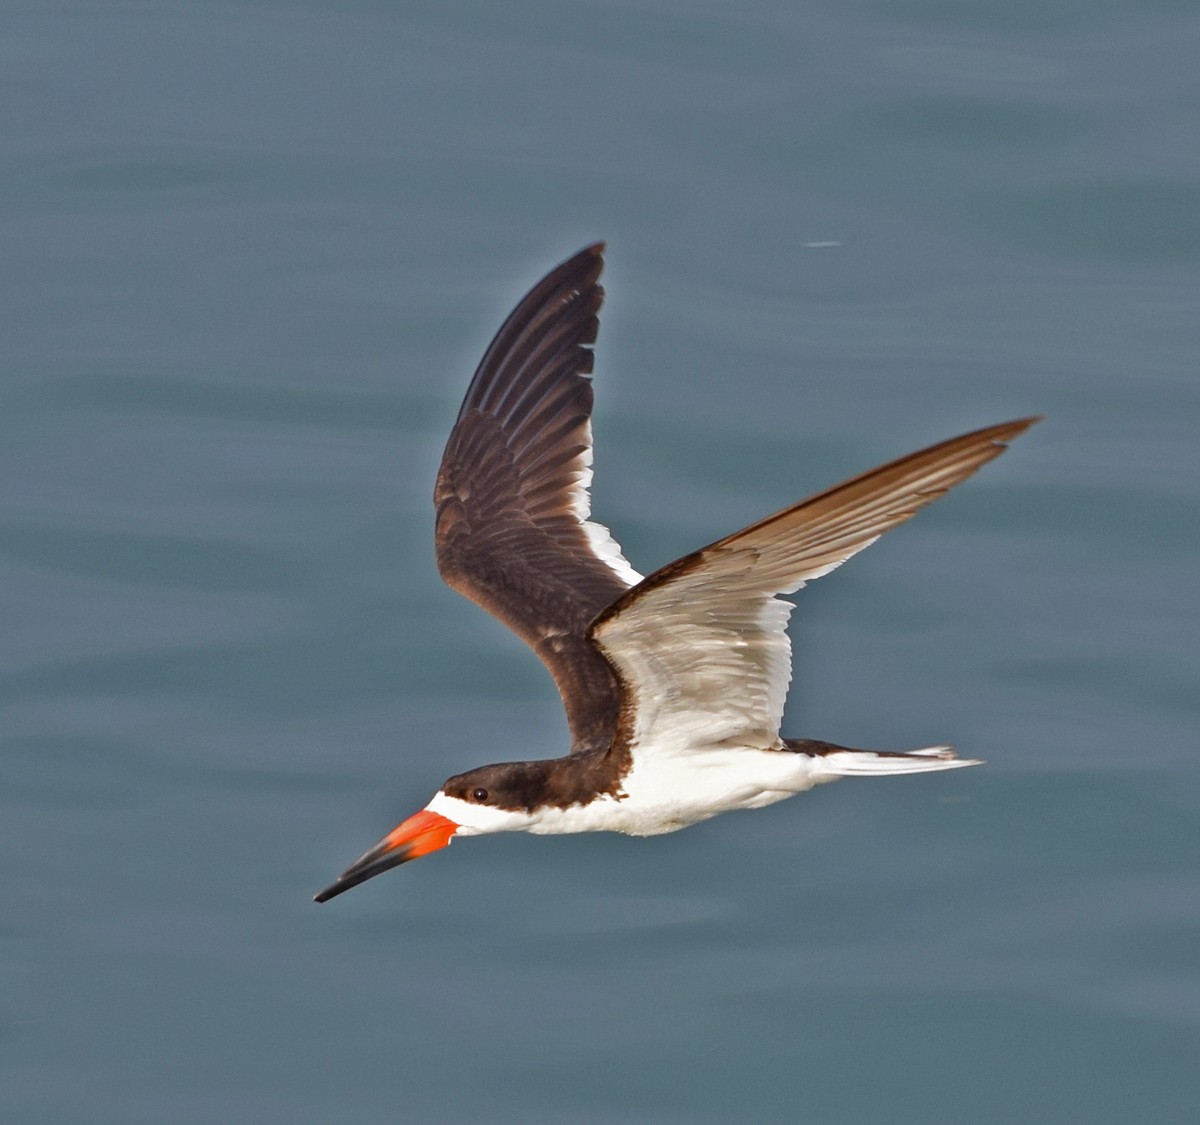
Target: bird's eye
pixel 480 794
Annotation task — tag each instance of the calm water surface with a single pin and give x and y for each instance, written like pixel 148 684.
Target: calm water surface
pixel 250 254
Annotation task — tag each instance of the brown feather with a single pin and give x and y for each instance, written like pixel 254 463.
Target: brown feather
pixel 509 534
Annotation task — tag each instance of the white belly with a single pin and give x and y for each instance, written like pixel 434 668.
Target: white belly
pixel 666 792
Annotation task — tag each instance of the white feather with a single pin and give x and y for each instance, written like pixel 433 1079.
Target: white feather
pixel 599 538
pixel 863 763
pixel 702 647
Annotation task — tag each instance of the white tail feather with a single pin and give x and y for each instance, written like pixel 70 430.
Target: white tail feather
pixel 868 763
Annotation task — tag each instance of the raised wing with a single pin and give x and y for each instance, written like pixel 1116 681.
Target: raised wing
pixel 513 532
pixel 701 646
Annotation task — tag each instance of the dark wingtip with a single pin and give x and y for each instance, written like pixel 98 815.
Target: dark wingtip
pixel 1009 431
pixel 591 257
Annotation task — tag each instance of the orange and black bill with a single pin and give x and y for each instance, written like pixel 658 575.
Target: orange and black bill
pixel 417 836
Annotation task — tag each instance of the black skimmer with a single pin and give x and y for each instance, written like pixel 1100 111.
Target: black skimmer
pixel 673 684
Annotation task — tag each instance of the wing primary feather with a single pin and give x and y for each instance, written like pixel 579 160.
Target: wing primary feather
pixel 513 528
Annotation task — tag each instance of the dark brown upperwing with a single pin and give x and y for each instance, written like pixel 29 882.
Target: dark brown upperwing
pixel 513 533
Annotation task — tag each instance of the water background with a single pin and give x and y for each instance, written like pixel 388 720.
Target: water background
pixel 249 255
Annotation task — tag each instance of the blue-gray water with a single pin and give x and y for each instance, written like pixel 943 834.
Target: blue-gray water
pixel 249 254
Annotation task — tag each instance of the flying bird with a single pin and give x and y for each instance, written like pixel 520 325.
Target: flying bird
pixel 673 684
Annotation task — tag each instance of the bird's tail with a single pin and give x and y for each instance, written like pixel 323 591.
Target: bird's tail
pixel 842 761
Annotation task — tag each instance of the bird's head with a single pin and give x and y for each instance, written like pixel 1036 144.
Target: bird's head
pixel 489 799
